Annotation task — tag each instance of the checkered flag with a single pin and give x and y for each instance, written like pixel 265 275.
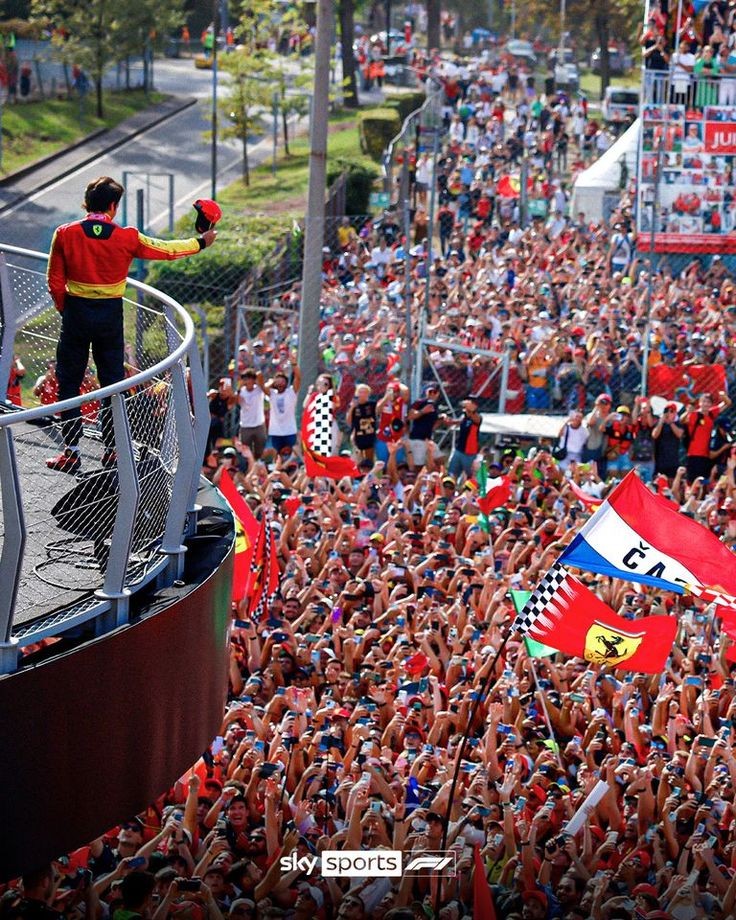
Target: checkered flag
pixel 319 425
pixel 547 604
pixel 265 573
pixel 711 595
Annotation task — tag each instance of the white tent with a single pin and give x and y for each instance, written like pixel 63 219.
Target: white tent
pixel 605 175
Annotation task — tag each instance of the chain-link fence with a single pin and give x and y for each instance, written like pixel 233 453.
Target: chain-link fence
pixel 401 154
pixel 104 519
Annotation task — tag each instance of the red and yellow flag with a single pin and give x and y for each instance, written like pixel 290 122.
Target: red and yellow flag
pixel 563 613
pixel 246 532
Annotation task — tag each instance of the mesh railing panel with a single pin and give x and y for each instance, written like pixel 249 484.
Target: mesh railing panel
pixel 69 519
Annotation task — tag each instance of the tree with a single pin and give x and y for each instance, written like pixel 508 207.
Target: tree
pixel 248 95
pixel 346 13
pixel 433 24
pixel 93 34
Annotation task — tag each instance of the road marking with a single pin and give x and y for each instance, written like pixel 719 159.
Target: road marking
pixel 77 172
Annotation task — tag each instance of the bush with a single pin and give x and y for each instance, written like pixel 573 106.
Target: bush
pixel 361 174
pixel 405 103
pixel 243 243
pixel 377 129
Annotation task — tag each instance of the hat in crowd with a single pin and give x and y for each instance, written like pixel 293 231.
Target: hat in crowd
pixel 535 895
pixel 604 398
pixel 314 893
pixel 229 452
pixel 644 858
pixel 448 481
pixel 670 407
pixel 623 410
pixel 645 889
pixel 340 713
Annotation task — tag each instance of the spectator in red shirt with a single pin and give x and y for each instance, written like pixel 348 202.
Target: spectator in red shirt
pixel 699 426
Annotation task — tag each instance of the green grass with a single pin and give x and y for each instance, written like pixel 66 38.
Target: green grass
pixel 285 192
pixel 34 130
pixel 590 83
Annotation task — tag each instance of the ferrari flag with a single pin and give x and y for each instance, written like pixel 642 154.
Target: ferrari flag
pixel 317 440
pixel 641 537
pixel 246 534
pixel 564 612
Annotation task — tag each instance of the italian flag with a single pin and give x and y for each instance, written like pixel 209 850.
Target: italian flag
pixel 492 493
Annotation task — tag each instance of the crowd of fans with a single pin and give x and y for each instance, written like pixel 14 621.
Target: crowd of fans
pixel 349 699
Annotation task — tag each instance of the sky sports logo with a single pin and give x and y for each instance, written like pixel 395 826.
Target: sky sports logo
pixel 372 863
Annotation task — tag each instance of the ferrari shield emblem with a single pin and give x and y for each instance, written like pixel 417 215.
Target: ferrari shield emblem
pixel 241 542
pixel 97 229
pixel 605 645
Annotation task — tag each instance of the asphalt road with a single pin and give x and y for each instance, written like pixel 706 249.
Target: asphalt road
pixel 177 146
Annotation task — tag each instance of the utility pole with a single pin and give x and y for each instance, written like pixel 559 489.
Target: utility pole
pixel 315 216
pixel 213 156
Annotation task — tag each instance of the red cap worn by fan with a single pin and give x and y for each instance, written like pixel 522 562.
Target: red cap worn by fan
pixel 208 213
pixel 416 664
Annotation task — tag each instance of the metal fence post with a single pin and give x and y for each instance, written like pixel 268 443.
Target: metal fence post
pixel 7 327
pixel 129 493
pixel 504 382
pixel 186 467
pixel 201 428
pixel 14 541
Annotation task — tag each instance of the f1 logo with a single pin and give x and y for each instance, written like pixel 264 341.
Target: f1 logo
pixel 437 863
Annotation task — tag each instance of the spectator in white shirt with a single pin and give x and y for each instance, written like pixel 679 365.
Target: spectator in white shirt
pixel 381 257
pixel 282 407
pixel 250 399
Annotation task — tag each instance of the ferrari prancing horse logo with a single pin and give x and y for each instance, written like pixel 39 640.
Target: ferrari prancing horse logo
pixel 97 229
pixel 604 645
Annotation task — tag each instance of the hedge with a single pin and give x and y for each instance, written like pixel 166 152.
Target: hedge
pixel 244 241
pixel 377 129
pixel 361 174
pixel 405 103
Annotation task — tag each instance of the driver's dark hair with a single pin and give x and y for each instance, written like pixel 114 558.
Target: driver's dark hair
pixel 101 193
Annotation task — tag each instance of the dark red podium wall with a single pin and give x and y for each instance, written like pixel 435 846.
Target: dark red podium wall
pixel 90 738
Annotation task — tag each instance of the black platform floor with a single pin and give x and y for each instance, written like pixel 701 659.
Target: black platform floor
pixel 59 568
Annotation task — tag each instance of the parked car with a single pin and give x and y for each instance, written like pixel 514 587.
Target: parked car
pixel 568 56
pixel 516 47
pixel 620 104
pixel 564 68
pixel 618 62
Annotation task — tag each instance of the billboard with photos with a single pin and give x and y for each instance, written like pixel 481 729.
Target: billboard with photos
pixel 696 208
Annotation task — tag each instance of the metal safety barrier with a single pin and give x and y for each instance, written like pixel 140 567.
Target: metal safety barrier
pixel 76 548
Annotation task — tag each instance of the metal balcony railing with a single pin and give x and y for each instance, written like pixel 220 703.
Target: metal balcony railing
pixel 75 548
pixel 694 91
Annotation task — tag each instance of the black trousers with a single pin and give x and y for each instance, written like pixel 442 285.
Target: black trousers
pixel 85 324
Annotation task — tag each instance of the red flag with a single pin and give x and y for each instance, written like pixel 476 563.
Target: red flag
pixel 508 187
pixel 685 382
pixel 246 533
pixel 264 575
pixel 331 467
pixel 291 505
pixel 590 501
pixel 497 494
pixel 316 464
pixel 563 613
pixel 482 897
